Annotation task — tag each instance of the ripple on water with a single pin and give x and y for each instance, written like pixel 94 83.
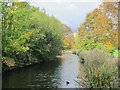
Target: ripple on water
pixel 47 75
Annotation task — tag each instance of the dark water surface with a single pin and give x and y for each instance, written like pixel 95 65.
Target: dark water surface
pixel 52 74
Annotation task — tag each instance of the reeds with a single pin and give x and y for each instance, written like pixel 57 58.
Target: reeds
pixel 99 70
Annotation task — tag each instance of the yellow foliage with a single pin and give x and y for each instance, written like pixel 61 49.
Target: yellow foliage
pixel 25 48
pixel 69 42
pixel 109 46
pixel 27 35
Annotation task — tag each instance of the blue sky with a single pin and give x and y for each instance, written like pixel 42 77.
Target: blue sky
pixel 72 13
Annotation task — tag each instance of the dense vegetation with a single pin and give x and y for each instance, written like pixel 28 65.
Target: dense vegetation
pixel 100 70
pixel 29 35
pixel 97 47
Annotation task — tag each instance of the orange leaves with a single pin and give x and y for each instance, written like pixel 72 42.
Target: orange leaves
pixel 69 42
pixel 99 24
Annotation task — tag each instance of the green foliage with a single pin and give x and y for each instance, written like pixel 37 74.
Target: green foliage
pixel 116 53
pixel 88 44
pixel 29 35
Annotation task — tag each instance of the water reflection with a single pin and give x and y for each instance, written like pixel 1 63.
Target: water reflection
pixel 69 70
pixel 52 74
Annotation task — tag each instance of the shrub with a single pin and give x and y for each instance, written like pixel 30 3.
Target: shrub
pixel 99 70
pixel 88 44
pixel 29 34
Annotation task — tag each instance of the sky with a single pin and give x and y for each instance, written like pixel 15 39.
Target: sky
pixel 70 12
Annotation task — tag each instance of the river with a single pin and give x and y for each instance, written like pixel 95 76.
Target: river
pixel 52 74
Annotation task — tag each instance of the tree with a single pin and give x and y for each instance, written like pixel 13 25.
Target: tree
pixel 68 37
pixel 29 34
pixel 99 26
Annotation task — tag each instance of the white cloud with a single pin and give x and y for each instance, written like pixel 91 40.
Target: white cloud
pixel 70 13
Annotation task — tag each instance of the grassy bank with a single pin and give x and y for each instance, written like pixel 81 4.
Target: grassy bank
pixel 99 70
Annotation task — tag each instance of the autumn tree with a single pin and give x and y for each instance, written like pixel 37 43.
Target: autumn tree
pixel 101 25
pixel 68 37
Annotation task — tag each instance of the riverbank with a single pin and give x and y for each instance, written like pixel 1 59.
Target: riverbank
pixel 6 68
pixel 98 70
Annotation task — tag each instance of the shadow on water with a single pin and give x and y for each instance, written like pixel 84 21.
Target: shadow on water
pixel 52 74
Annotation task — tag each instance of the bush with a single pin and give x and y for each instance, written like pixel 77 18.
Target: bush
pixel 88 44
pixel 29 34
pixel 99 70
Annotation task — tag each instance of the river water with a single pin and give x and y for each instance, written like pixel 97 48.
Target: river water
pixel 52 74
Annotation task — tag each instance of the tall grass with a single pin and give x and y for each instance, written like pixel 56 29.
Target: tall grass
pixel 99 70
